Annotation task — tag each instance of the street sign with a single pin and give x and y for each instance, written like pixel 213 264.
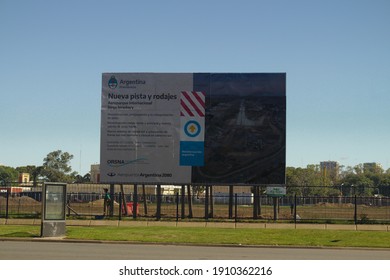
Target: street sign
pixel 276 190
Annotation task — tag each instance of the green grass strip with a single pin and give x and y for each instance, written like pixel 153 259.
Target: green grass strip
pixel 216 236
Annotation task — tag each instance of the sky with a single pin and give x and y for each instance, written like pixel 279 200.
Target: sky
pixel 335 53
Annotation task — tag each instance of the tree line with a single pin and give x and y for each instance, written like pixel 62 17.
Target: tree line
pixel 347 181
pixel 55 168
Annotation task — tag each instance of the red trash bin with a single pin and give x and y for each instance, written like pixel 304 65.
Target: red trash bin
pixel 129 206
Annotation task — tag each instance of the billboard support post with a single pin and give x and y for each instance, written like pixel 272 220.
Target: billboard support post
pixel 121 207
pixel 230 202
pixel 206 204
pixel 276 204
pixel 259 191
pixel 112 192
pixel 190 214
pixel 145 202
pixel 159 198
pixel 135 201
pixel 177 206
pixel 211 202
pixel 235 208
pixel 255 202
pixel 183 190
pixel 122 199
pixel 258 194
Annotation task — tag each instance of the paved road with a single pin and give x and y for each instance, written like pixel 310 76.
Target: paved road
pixel 38 250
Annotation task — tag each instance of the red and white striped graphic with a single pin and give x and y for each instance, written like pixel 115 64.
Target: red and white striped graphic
pixel 192 104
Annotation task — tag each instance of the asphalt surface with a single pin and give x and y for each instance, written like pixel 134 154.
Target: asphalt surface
pixel 49 249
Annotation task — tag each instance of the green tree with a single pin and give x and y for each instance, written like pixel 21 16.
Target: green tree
pixel 7 174
pixel 56 167
pixel 383 188
pixel 83 179
pixel 355 180
pixel 26 169
pixel 358 184
pixel 306 181
pixel 36 173
pixel 373 169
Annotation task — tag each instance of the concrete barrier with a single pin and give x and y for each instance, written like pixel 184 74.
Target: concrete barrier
pixel 85 223
pixel 251 225
pixel 372 227
pixel 310 226
pixel 161 224
pixel 220 225
pixel 104 223
pixel 19 222
pixel 191 224
pixel 340 227
pixel 279 226
pixel 133 223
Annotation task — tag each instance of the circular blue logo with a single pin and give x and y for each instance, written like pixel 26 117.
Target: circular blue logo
pixel 192 128
pixel 112 83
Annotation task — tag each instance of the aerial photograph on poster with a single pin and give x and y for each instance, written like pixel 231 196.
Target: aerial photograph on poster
pixel 245 138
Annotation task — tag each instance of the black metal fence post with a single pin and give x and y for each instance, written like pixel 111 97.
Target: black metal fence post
pixel 159 199
pixel 111 206
pixel 295 208
pixel 230 202
pixel 211 212
pixel 68 206
pixel 276 202
pixel 7 204
pixel 255 202
pixel 206 204
pixel 190 214
pixel 120 206
pixel 135 202
pixel 355 214
pixel 259 201
pixel 235 208
pixel 177 207
pixel 183 201
pixel 144 198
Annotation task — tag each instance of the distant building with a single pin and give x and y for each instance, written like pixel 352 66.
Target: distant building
pixel 95 173
pixel 330 168
pixel 372 167
pixel 24 178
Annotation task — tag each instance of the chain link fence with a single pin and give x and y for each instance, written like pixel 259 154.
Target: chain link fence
pixel 239 203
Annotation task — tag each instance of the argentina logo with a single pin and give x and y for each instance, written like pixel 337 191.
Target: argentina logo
pixel 112 83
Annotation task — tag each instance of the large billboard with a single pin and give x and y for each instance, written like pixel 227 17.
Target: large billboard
pixel 199 128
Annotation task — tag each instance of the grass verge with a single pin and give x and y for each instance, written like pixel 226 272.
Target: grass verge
pixel 215 236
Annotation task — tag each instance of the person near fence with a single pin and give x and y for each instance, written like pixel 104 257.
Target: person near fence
pixel 107 202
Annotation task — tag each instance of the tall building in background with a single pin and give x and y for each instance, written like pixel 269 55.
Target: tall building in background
pixel 95 173
pixel 330 169
pixel 372 167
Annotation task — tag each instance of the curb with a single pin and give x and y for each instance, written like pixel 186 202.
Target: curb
pixel 86 241
pixel 121 223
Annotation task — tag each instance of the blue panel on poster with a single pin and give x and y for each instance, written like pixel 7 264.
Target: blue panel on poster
pixel 191 153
